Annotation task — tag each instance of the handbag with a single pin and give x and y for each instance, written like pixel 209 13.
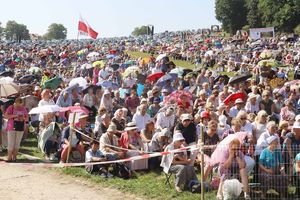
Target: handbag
pixel 18 125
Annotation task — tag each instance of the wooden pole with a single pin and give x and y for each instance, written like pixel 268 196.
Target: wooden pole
pixel 202 163
pixel 70 137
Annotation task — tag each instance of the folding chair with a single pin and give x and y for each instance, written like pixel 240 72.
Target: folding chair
pixel 168 176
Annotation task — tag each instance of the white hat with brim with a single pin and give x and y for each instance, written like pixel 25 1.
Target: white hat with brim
pixel 130 126
pixel 83 116
pixel 252 96
pixel 238 101
pixel 177 137
pixel 272 139
pixel 296 125
pixel 112 128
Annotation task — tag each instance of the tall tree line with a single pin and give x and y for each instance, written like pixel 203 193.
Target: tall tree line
pixel 284 15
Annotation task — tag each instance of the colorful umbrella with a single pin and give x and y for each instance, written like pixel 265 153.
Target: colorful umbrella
pixel 178 71
pixel 99 63
pixel 231 98
pixel 239 79
pixel 223 146
pixel 155 76
pixel 45 109
pixel 34 70
pixel 86 66
pixel 82 82
pixel 108 84
pixel 131 70
pixel 168 77
pixel 8 88
pixel 161 56
pixel 52 83
pixel 269 63
pixel 176 95
pixel 75 109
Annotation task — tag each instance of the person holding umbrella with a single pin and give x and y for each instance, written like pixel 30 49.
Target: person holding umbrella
pixel 17 116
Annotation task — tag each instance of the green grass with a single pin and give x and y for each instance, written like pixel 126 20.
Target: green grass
pixel 147 185
pixel 186 64
pixel 180 63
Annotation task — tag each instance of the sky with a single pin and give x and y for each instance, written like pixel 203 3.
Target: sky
pixel 110 18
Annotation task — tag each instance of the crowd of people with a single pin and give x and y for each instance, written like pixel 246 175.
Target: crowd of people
pixel 239 101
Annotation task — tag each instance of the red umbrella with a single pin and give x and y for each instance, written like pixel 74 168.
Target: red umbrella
pixel 75 109
pixel 233 97
pixel 155 76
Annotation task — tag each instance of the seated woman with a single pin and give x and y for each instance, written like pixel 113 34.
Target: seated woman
pixel 233 165
pixel 158 143
pixel 178 164
pixel 98 121
pixel 49 135
pixel 89 101
pixel 107 142
pixel 272 169
pixel 73 141
pixel 119 121
pixel 147 134
pixel 132 141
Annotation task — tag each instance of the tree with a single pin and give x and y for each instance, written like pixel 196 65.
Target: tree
pixel 284 15
pixel 56 31
pixel 143 30
pixel 232 14
pixel 297 30
pixel 253 16
pixel 15 31
pixel 1 31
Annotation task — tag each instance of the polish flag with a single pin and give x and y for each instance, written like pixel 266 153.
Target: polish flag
pixel 85 29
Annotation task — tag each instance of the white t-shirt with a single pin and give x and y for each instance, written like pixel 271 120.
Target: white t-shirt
pixel 165 122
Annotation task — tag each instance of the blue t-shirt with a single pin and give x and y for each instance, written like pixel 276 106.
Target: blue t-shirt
pixel 89 154
pixel 270 159
pixel 297 158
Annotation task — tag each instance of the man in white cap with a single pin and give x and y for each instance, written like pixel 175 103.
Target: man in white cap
pixel 178 163
pixel 239 105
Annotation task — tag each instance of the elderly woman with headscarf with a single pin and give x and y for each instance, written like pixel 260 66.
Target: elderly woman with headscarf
pixel 106 101
pixel 119 121
pixel 89 101
pixel 272 169
pixel 178 163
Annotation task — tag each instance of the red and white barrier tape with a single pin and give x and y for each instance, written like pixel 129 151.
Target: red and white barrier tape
pixel 140 157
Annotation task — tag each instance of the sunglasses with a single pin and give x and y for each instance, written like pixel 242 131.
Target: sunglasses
pixel 243 118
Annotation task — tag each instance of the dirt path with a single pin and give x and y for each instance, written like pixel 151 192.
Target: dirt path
pixel 23 183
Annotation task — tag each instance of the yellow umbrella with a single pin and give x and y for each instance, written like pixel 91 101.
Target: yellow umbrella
pixel 146 60
pixel 99 63
pixel 131 70
pixel 266 54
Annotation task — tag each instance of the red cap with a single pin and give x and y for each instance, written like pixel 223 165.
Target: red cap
pixel 204 114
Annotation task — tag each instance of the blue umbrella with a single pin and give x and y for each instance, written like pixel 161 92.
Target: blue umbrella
pixel 108 84
pixel 71 87
pixel 110 56
pixel 162 81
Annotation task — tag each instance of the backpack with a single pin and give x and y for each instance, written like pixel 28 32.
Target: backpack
pixel 121 170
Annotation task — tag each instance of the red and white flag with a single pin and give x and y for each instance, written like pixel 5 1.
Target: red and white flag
pixel 85 29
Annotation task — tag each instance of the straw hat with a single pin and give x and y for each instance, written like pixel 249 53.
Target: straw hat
pixel 130 126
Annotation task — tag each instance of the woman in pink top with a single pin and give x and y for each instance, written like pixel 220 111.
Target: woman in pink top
pixel 17 115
